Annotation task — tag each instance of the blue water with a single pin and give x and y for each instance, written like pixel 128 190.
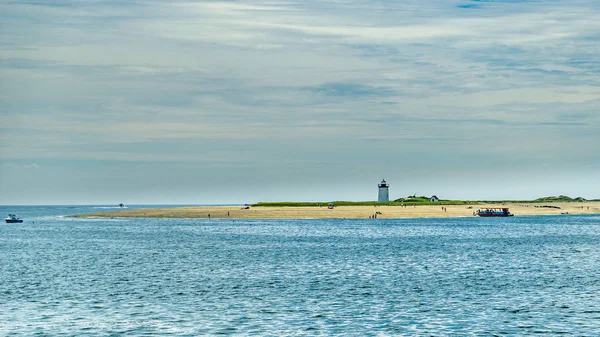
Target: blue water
pixel 464 276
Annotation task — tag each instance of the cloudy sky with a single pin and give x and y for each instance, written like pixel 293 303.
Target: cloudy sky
pixel 207 102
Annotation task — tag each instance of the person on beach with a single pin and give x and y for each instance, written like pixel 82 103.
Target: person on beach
pixel 209 215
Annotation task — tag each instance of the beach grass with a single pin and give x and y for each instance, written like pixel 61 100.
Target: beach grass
pixel 418 200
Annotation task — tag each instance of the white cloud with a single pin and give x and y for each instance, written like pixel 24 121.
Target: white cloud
pixel 263 84
pixel 20 166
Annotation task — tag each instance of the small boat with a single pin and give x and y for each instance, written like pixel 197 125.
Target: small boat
pixel 493 212
pixel 13 219
pixel 121 205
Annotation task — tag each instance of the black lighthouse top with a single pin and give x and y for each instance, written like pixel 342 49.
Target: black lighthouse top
pixel 383 184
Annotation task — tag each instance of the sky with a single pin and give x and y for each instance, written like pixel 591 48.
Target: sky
pixel 218 102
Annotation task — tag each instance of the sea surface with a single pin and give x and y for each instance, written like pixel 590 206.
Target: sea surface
pixel 525 275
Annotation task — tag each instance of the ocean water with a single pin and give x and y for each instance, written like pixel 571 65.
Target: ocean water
pixel 61 276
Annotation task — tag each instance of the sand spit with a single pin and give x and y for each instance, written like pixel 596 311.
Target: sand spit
pixel 429 211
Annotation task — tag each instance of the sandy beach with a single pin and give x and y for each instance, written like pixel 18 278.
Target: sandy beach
pixel 429 211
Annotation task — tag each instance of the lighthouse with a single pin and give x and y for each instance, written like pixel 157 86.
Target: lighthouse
pixel 384 192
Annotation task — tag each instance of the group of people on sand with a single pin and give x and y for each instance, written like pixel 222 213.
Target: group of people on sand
pixel 374 216
pixel 444 209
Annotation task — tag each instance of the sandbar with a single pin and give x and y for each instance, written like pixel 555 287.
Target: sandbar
pixel 347 212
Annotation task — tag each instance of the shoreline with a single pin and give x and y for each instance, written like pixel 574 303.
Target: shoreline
pixel 344 212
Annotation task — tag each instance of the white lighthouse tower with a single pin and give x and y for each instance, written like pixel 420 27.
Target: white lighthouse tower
pixel 384 192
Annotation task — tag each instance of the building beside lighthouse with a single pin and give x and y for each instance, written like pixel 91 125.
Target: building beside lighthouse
pixel 384 192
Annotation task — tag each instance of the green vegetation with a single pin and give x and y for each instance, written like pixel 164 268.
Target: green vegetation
pixel 398 202
pixel 423 200
pixel 560 198
pixel 419 200
pixel 322 203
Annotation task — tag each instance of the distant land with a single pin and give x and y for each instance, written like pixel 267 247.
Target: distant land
pixel 410 207
pixel 420 200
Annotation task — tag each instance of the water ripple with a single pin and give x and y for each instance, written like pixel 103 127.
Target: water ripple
pixel 464 276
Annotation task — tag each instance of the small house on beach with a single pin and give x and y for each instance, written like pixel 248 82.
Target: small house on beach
pixel 434 199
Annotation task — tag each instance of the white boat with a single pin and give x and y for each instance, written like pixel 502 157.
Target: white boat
pixel 13 219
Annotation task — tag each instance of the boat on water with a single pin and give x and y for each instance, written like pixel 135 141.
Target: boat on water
pixel 121 205
pixel 493 212
pixel 13 219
